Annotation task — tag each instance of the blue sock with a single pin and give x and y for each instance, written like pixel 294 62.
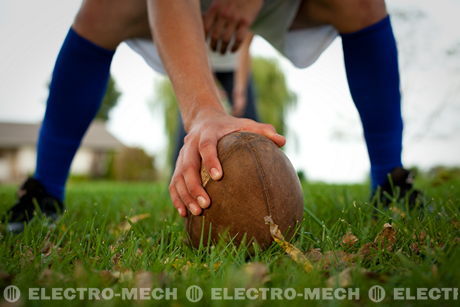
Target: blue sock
pixel 77 88
pixel 371 62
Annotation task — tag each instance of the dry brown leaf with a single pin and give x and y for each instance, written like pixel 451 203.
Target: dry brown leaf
pixel 349 239
pixel 116 258
pixel 257 274
pixel 414 248
pixel 386 239
pixel 343 279
pixel 367 250
pixel 290 249
pixel 336 258
pixel 127 224
pixel 314 254
pixel 47 249
pixel 143 279
pixel 107 277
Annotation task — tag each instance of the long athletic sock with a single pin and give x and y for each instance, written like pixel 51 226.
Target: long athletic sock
pixel 77 87
pixel 371 62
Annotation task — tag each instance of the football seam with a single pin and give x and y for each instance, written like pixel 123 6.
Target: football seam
pixel 261 174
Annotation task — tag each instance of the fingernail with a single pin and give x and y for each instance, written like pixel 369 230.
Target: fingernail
pixel 202 201
pixel 181 211
pixel 215 174
pixel 195 210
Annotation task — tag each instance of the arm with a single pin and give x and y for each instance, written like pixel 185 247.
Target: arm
pixel 241 77
pixel 178 32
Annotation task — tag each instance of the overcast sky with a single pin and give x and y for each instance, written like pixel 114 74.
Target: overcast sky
pixel 325 134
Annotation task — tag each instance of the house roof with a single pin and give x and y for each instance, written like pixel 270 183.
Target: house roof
pixel 20 134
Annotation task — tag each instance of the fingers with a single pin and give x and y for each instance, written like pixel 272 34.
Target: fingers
pixel 216 33
pixel 185 196
pixel 208 152
pixel 177 201
pixel 227 36
pixel 240 34
pixel 208 20
pixel 195 189
pixel 266 130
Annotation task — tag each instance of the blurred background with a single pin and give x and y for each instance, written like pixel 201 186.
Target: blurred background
pixel 132 140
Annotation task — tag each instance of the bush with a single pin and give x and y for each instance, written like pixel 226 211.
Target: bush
pixel 132 163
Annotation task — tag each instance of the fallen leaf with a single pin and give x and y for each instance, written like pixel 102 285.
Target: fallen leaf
pixel 127 224
pixel 143 279
pixel 47 249
pixel 290 249
pixel 336 259
pixel 386 239
pixel 107 277
pixel 367 250
pixel 343 279
pixel 414 248
pixel 314 254
pixel 349 239
pixel 257 274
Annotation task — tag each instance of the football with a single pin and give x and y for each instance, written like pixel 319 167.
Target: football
pixel 258 181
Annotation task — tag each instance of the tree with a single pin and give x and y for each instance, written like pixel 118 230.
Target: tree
pixel 110 100
pixel 134 164
pixel 273 98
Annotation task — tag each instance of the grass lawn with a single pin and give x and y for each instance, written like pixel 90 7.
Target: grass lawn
pixel 93 246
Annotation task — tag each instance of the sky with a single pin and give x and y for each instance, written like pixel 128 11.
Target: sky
pixel 325 136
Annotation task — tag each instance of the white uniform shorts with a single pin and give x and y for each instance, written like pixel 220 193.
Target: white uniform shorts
pixel 301 47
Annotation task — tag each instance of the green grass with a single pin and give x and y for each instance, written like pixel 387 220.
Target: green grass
pixel 88 247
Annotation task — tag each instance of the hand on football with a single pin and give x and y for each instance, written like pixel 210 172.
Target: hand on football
pixel 200 146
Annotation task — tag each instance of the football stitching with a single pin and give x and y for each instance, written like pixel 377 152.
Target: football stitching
pixel 262 176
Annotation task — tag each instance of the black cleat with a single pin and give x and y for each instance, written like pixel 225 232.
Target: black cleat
pixel 32 195
pixel 398 186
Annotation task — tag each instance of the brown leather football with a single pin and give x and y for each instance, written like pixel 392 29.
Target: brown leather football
pixel 258 181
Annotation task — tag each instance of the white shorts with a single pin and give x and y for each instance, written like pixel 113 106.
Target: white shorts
pixel 301 47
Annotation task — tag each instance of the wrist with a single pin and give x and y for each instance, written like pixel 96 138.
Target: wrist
pixel 201 113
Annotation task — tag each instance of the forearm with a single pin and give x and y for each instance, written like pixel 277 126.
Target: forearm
pixel 243 66
pixel 178 32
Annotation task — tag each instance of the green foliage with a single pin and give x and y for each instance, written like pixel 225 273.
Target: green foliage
pixel 165 99
pixel 111 97
pixel 273 98
pixel 133 164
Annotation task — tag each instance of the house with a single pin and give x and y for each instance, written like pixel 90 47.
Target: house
pixel 18 154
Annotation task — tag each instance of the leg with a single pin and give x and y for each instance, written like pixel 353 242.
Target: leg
pixel 78 84
pixel 371 63
pixel 226 80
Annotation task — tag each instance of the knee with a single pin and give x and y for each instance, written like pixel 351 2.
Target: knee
pixel 354 15
pixel 107 23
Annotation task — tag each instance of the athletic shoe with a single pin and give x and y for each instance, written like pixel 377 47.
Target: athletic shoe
pixel 398 186
pixel 32 195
